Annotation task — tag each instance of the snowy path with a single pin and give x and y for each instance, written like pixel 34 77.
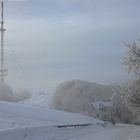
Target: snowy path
pixel 118 133
pixel 44 133
pixel 83 133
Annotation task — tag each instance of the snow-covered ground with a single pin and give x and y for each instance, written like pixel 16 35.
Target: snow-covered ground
pixel 40 99
pixel 23 121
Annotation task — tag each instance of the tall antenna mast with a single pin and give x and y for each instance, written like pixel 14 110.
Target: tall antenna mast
pixel 3 72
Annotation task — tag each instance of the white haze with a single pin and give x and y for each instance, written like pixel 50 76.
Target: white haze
pixel 62 40
pixel 8 94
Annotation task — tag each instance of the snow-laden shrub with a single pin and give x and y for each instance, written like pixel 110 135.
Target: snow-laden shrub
pixel 134 94
pixel 109 103
pixel 133 99
pixel 120 113
pixel 6 93
pixel 77 96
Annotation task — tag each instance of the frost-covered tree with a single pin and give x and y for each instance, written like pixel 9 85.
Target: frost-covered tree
pixel 132 59
pixel 77 96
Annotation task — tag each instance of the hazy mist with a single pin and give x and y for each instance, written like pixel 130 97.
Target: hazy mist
pixel 54 41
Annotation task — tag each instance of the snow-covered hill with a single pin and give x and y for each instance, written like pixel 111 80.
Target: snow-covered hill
pixel 13 112
pixel 23 121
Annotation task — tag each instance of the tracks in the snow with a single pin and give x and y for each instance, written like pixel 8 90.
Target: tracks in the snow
pixel 73 125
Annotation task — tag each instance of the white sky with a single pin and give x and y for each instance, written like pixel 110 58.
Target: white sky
pixel 62 40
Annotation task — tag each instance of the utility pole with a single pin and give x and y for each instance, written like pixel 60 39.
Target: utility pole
pixel 3 72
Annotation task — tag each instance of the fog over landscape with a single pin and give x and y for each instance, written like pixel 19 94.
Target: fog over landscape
pixel 55 41
pixel 69 70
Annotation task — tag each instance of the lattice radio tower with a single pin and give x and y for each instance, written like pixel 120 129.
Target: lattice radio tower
pixel 3 71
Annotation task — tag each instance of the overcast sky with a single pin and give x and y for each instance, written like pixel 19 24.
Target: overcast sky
pixel 50 41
